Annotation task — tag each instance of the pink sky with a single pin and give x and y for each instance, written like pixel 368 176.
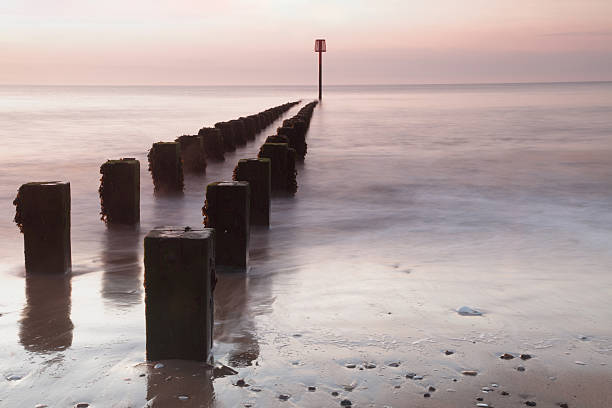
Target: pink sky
pixel 198 42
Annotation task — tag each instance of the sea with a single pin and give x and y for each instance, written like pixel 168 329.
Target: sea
pixel 413 201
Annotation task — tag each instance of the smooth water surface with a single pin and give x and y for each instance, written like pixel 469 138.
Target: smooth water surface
pixel 413 201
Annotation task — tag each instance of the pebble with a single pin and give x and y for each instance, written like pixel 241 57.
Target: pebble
pixel 426 395
pixel 505 393
pixel 482 404
pixel 494 385
pixel 450 390
pixel 530 403
pixel 432 388
pixel 394 364
pixel 581 363
pixel 158 365
pixel 417 377
pixel 40 406
pixel 346 403
pixel 14 377
pixel 468 311
pixel 469 372
pixel 486 389
pixel 350 365
pixel 334 393
pixel 563 405
pixel 506 356
pixel 81 405
pixel 449 352
pixel 525 356
pixel 183 397
pixel 520 368
pixel 141 375
pixel 312 388
pixel 255 389
pixel 370 365
pixel 241 383
pixel 410 375
pixel 397 386
pixel 283 397
pixel 479 399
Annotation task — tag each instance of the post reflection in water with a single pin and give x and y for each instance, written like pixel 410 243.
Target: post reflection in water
pixel 239 298
pixel 121 258
pixel 45 326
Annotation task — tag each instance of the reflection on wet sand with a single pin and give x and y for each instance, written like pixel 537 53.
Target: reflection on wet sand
pixel 233 323
pixel 121 258
pixel 45 325
pixel 186 383
pixel 239 297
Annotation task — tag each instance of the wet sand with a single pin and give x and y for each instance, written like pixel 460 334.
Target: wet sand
pixel 397 223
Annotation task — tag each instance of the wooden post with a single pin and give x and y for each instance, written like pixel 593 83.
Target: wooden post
pixel 166 167
pixel 212 139
pixel 277 139
pixel 227 211
pixel 43 216
pixel 283 166
pixel 192 153
pixel 179 283
pixel 258 173
pixel 229 138
pixel 120 191
pixel 239 132
pixel 249 125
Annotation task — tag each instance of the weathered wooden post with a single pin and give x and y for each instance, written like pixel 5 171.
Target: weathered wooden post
pixel 277 139
pixel 192 153
pixel 43 216
pixel 283 166
pixel 179 283
pixel 258 173
pixel 226 209
pixel 166 167
pixel 229 138
pixel 120 191
pixel 295 137
pixel 249 125
pixel 212 140
pixel 239 132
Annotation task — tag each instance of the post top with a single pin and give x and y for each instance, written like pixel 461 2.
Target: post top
pixel 47 183
pixel 180 232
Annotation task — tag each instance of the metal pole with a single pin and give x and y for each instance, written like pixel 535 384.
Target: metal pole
pixel 320 74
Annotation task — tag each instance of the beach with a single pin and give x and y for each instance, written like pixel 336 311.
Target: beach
pixel 412 202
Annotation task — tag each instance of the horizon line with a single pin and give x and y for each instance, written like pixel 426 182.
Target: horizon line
pixel 315 85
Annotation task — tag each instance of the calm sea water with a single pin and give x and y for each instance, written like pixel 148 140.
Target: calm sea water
pixel 413 201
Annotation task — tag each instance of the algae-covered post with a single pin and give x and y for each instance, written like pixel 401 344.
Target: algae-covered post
pixel 226 209
pixel 257 172
pixel 120 191
pixel 229 138
pixel 43 216
pixel 212 139
pixel 179 283
pixel 166 167
pixel 240 134
pixel 192 153
pixel 283 166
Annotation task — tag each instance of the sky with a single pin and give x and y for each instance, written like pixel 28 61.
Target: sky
pixel 260 42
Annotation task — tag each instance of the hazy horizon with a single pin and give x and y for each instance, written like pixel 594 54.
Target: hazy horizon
pixel 247 42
